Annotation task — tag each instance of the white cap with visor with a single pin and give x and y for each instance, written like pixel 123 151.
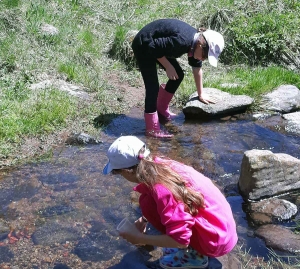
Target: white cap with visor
pixel 215 43
pixel 124 153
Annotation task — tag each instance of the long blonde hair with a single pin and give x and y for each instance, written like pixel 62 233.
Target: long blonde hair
pixel 151 173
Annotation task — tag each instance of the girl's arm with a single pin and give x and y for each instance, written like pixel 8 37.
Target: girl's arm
pixel 160 241
pixel 198 74
pixel 135 237
pixel 170 70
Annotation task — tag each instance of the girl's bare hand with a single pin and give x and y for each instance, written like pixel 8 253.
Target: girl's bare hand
pixel 207 100
pixel 171 73
pixel 132 235
pixel 141 225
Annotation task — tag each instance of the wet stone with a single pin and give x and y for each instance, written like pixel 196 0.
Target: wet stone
pixel 61 266
pixel 3 236
pixel 135 260
pixel 5 255
pixel 56 210
pixel 231 190
pixel 99 247
pixel 82 139
pixel 59 178
pixel 272 210
pixel 3 228
pixel 280 238
pixel 53 233
pixel 114 215
pixel 65 187
pixel 16 193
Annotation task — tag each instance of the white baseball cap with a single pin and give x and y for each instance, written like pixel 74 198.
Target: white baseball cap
pixel 215 43
pixel 124 153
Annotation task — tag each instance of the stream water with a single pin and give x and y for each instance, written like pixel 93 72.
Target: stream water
pixel 65 212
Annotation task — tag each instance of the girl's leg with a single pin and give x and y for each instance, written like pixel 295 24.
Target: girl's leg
pixel 149 73
pixel 166 92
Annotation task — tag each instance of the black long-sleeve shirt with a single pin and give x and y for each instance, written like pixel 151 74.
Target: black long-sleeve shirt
pixel 165 37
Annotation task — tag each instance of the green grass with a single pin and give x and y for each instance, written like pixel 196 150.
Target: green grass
pixel 273 261
pixel 88 47
pixel 257 81
pixel 23 114
pixel 247 81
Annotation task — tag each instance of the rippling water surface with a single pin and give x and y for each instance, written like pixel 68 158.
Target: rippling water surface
pixel 69 210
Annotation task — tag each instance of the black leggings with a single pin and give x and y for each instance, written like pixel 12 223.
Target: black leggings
pixel 149 73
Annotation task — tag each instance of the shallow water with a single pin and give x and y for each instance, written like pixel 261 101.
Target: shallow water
pixel 70 210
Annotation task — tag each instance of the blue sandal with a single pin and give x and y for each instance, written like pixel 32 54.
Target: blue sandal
pixel 184 258
pixel 168 251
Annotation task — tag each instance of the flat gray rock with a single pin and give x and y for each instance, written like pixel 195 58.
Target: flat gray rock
pixel 61 85
pixel 225 104
pixel 283 99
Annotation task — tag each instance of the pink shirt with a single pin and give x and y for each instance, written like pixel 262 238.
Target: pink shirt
pixel 212 232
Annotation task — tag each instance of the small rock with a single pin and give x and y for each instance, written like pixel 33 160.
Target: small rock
pixel 49 29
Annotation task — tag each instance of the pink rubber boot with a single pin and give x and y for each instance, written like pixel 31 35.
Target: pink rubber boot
pixel 153 127
pixel 163 101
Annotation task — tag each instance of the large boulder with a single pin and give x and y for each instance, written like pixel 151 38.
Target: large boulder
pixel 265 174
pixel 226 104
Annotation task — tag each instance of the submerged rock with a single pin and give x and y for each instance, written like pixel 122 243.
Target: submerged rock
pixel 280 238
pixel 4 228
pixel 53 233
pixel 269 210
pixel 81 139
pixel 56 210
pixel 99 244
pixel 5 255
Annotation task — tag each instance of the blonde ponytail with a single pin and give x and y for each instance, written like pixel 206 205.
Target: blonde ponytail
pixel 151 173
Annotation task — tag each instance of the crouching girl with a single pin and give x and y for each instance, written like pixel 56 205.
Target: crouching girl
pixel 193 216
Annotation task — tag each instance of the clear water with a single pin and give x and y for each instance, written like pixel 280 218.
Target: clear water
pixel 67 200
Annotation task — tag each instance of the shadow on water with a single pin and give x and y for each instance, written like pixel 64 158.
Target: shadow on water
pixel 71 210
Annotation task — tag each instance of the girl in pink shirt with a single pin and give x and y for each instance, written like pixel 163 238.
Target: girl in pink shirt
pixel 192 214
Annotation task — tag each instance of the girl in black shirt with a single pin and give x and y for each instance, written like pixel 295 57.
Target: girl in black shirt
pixel 163 41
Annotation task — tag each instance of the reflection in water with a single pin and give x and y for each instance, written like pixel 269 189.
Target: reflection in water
pixel 71 210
